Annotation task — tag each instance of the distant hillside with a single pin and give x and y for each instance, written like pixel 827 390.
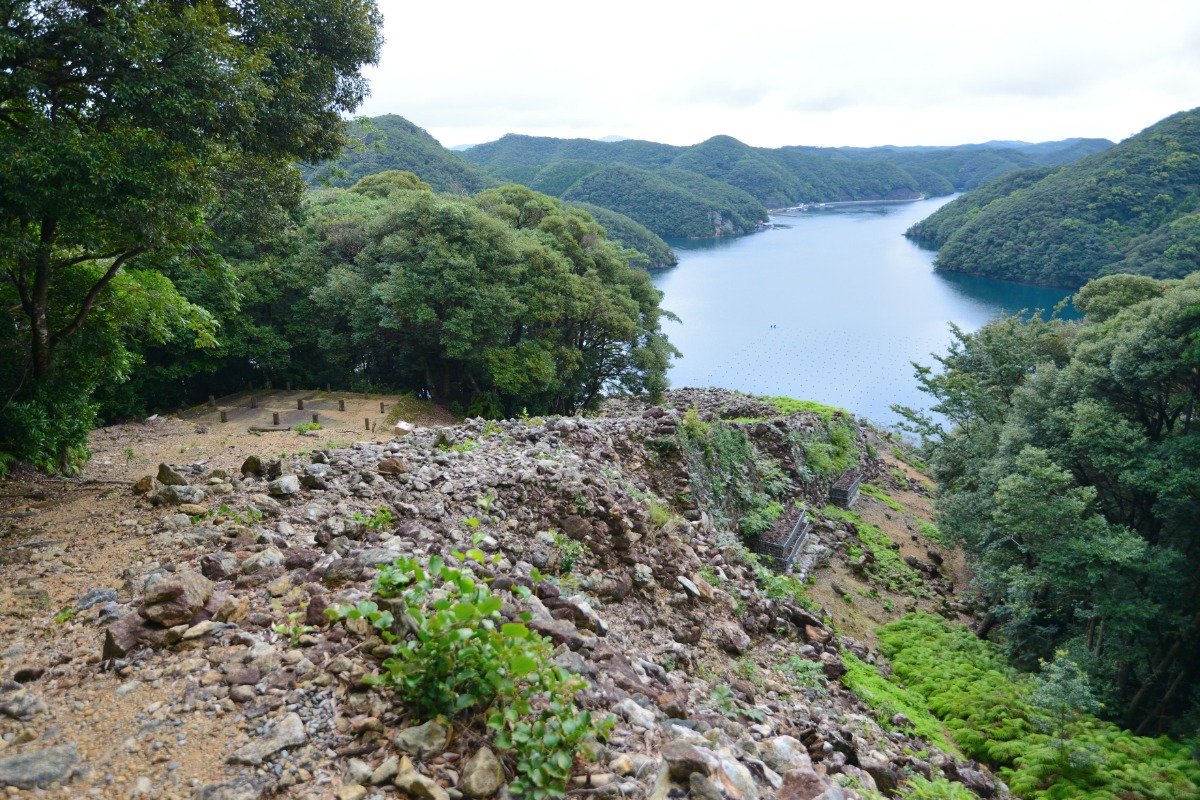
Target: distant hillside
pixel 775 178
pixel 391 142
pixel 1131 208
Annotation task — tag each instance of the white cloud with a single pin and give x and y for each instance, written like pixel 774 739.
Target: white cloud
pixel 859 73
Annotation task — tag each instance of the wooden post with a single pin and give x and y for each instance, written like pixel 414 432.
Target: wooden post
pixel 341 405
pixel 289 386
pixel 382 408
pixel 224 416
pixel 275 418
pixel 316 418
pixel 254 402
pixel 367 423
pixel 300 405
pixel 212 401
pixel 327 389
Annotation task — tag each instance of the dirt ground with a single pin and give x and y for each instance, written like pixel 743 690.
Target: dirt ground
pixel 61 538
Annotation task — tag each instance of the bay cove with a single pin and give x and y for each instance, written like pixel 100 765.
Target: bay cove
pixel 833 307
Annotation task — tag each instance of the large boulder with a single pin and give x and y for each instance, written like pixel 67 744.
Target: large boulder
pixel 175 599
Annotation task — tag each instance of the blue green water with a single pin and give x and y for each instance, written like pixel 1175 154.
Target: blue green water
pixel 833 308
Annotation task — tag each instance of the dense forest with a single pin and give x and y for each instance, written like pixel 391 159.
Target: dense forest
pixel 1068 466
pixel 714 188
pixel 390 142
pixel 1130 209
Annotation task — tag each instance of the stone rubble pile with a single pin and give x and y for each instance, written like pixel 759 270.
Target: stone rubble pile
pixel 233 612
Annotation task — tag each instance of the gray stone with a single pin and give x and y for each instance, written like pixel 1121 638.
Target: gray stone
pixel 175 495
pixel 237 789
pixel 169 477
pixel 38 768
pixel 288 732
pixel 22 705
pixel 684 759
pixel 635 714
pixel 482 775
pixel 784 753
pixel 95 597
pixel 424 740
pixel 264 559
pixel 284 486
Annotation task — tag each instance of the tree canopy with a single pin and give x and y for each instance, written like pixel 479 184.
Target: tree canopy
pixel 1070 469
pixel 133 136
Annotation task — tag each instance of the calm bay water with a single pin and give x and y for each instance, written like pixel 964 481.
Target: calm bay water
pixel 833 308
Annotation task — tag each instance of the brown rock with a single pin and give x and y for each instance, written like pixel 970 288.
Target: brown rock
pixel 816 635
pixel 144 484
pixel 732 638
pixel 392 466
pixel 175 599
pixel 684 759
pixel 802 784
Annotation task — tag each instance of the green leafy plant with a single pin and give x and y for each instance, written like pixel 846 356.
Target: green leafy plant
pixel 293 628
pixel 66 615
pixel 569 551
pixel 804 673
pixel 452 654
pixel 305 427
pixel 919 788
pixel 381 520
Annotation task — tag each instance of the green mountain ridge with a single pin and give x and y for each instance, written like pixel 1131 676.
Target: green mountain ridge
pixel 1134 208
pixel 718 187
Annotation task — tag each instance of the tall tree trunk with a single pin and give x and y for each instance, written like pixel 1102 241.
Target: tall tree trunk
pixel 39 306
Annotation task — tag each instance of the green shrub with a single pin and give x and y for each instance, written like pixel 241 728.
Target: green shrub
pixel 759 520
pixel 454 654
pixel 305 427
pixel 789 405
pixel 729 478
pixel 888 699
pixel 919 788
pixel 988 709
pixel 832 450
pixel 569 551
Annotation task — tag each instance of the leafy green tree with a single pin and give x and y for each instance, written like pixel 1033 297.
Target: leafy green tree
pixel 127 131
pixel 1062 691
pixel 1069 463
pixel 509 301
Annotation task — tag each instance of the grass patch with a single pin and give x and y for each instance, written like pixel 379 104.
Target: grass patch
pixel 932 532
pixel 886 568
pixel 871 490
pixel 789 405
pixel 305 427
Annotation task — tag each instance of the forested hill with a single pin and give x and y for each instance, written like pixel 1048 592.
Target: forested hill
pixel 718 187
pixel 1134 208
pixel 392 142
pixel 778 177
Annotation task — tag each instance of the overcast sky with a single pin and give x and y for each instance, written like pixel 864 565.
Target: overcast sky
pixel 830 73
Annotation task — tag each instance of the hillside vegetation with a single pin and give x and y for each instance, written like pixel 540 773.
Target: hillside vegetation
pixel 718 187
pixel 1132 209
pixel 774 177
pixel 1069 468
pixel 391 142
